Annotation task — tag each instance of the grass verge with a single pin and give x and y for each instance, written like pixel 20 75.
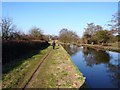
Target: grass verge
pixel 58 71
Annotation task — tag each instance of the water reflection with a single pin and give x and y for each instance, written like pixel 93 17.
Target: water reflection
pixel 95 56
pixel 71 49
pixel 104 64
pixel 114 74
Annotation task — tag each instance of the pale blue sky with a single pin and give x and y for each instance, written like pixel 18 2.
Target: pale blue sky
pixel 51 17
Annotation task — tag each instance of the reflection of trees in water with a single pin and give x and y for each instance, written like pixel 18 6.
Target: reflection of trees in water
pixel 71 49
pixel 114 73
pixel 95 57
pixel 86 51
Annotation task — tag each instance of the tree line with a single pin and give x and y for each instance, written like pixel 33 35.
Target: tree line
pixel 11 32
pixel 94 34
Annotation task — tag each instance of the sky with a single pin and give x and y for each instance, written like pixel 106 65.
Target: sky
pixel 51 17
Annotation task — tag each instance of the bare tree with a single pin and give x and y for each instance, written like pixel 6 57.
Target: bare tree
pixel 68 36
pixel 115 23
pixel 7 28
pixel 92 28
pixel 36 33
pixel 90 31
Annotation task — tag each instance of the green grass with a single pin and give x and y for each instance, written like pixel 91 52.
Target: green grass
pixel 18 77
pixel 58 71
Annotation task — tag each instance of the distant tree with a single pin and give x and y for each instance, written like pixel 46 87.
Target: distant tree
pixel 46 37
pixel 63 35
pixel 93 39
pixel 86 38
pixel 115 27
pixel 90 31
pixel 36 33
pixel 53 37
pixel 64 30
pixel 16 35
pixel 113 38
pixel 102 36
pixel 68 36
pixel 92 28
pixel 115 23
pixel 7 28
pixel 98 27
pixel 76 39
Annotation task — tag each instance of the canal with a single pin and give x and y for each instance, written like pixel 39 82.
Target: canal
pixel 101 68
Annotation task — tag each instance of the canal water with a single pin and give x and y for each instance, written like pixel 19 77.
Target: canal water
pixel 101 68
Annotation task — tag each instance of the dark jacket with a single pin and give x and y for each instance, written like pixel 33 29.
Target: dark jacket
pixel 53 43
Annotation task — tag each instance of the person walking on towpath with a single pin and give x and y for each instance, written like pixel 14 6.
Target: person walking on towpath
pixel 53 44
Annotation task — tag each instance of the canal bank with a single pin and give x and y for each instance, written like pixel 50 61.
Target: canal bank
pixel 100 47
pixel 58 71
pixel 115 48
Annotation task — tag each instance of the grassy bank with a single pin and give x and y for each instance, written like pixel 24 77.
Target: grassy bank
pixel 58 71
pixel 110 48
pixel 19 75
